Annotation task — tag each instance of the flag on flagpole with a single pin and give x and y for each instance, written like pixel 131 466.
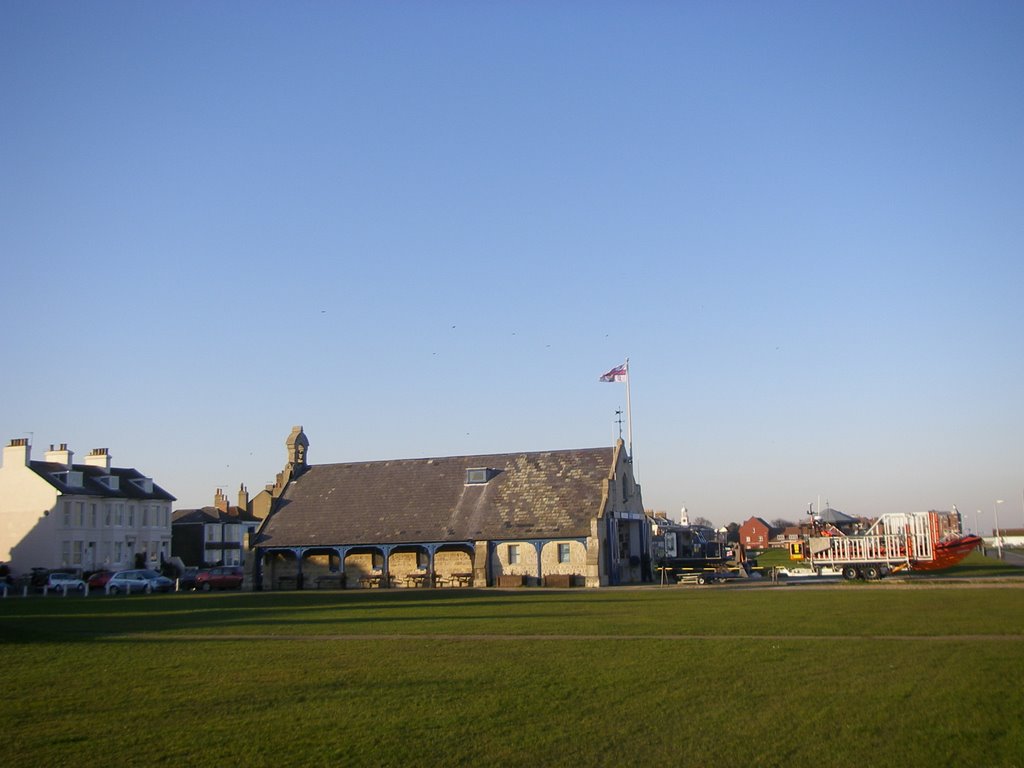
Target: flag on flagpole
pixel 618 373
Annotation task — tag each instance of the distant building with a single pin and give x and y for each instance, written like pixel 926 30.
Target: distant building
pixel 790 534
pixel 217 535
pixel 58 514
pixel 839 520
pixel 1008 537
pixel 565 517
pixel 755 533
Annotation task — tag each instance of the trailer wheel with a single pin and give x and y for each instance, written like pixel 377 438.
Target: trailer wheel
pixel 850 572
pixel 872 572
pixel 702 579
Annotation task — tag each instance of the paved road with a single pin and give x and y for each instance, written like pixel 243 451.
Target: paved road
pixel 1013 558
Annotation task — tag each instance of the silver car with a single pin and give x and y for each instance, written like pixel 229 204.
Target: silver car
pixel 65 582
pixel 140 580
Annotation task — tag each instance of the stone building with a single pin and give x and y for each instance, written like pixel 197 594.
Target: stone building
pixel 569 517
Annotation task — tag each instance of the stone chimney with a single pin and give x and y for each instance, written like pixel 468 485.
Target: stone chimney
pixel 18 451
pixel 243 498
pixel 59 455
pixel 98 457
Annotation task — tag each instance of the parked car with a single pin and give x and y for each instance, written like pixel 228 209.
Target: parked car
pixel 221 577
pixel 187 580
pixel 98 579
pixel 65 581
pixel 140 580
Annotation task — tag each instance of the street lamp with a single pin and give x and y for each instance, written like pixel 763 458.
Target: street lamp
pixel 999 539
pixel 977 523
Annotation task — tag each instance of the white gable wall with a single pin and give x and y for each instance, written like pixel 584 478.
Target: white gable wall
pixel 27 504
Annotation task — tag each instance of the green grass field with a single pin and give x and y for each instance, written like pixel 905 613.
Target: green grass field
pixel 857 674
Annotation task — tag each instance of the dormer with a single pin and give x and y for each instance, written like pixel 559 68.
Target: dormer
pixel 144 484
pixel 480 475
pixel 112 482
pixel 70 478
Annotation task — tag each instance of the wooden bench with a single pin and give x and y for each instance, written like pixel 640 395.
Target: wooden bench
pixel 511 580
pixel 331 582
pixel 561 580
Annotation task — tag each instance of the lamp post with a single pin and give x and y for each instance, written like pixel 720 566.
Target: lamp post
pixel 977 523
pixel 999 539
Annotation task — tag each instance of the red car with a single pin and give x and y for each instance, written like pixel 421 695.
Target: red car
pixel 222 577
pixel 99 579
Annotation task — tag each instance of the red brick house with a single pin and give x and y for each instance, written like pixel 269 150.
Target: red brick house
pixel 755 533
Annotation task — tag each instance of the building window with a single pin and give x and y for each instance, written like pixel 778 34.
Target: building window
pixel 66 506
pixel 563 553
pixel 118 551
pixel 65 552
pixel 80 516
pixel 513 554
pixel 92 515
pixel 131 515
pixel 479 475
pixel 106 514
pixel 145 516
pixel 76 553
pixel 119 517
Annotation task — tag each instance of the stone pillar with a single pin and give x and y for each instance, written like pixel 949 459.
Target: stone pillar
pixel 481 563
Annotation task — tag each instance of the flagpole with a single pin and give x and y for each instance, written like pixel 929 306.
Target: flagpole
pixel 629 414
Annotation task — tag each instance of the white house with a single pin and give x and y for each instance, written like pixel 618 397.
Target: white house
pixel 58 514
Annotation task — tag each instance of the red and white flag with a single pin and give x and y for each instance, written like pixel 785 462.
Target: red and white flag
pixel 618 373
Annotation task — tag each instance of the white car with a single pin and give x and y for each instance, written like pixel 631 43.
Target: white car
pixel 65 582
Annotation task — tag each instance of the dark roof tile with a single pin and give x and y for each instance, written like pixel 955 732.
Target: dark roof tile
pixel 553 493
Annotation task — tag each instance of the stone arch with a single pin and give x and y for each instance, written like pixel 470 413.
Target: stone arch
pixel 361 561
pixel 452 562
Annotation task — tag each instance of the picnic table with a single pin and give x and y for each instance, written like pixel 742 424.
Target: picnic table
pixel 462 579
pixel 371 580
pixel 417 579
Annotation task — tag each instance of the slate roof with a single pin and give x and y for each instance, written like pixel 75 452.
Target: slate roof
pixel 530 495
pixel 835 517
pixel 92 485
pixel 206 515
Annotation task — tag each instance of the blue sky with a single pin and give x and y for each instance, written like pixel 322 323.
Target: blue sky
pixel 425 229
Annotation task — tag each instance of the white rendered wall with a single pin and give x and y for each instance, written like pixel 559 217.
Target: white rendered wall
pixel 26 517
